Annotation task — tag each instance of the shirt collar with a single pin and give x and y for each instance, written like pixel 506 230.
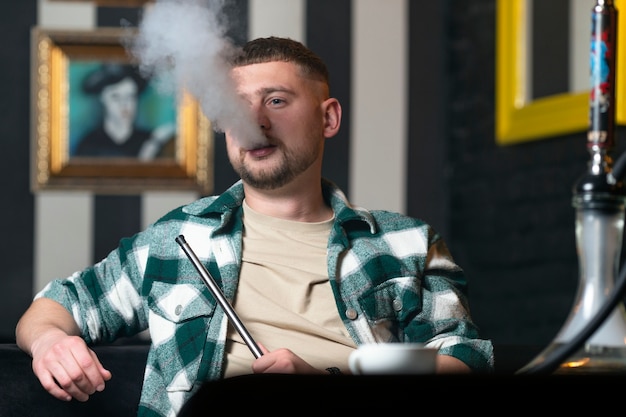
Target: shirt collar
pixel 232 199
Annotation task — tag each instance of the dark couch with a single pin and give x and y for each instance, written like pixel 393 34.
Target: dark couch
pixel 21 394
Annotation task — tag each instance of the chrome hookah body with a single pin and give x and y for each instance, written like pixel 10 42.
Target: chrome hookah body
pixel 599 199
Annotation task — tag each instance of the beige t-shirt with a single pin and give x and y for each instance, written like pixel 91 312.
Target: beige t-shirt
pixel 284 298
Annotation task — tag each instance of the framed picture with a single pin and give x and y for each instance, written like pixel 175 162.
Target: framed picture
pixel 522 118
pixel 99 124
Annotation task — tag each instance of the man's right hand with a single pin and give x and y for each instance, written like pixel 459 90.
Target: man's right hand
pixel 67 368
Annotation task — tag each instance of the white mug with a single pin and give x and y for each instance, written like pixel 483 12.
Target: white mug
pixel 392 358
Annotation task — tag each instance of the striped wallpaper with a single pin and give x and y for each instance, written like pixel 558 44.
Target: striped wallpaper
pixel 365 43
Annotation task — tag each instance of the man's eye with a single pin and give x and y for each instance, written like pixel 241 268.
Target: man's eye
pixel 276 101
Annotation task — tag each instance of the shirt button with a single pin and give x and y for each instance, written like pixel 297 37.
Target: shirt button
pixel 178 310
pixel 351 313
pixel 397 304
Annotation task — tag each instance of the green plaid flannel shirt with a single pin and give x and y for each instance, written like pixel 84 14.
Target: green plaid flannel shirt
pixel 392 276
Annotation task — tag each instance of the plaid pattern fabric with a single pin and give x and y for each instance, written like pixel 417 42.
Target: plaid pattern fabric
pixel 392 276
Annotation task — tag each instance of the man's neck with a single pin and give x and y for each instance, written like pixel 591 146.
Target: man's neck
pixel 292 202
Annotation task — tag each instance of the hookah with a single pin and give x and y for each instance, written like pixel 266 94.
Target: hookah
pixel 593 337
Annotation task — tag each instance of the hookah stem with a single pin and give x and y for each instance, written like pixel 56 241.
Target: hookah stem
pixel 601 134
pixel 219 296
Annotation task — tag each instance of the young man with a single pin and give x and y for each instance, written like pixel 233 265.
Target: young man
pixel 310 275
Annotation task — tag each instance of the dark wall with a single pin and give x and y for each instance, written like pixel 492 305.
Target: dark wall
pixel 427 189
pixel 17 203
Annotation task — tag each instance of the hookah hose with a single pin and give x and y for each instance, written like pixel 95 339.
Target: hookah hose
pixel 560 354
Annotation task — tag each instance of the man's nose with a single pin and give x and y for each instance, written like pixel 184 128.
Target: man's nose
pixel 263 120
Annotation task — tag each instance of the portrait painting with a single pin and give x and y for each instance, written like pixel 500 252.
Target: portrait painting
pixel 116 112
pixel 102 123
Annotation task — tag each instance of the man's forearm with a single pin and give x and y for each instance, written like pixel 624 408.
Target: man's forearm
pixel 43 316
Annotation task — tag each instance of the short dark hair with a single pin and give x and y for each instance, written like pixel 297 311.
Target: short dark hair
pixel 274 48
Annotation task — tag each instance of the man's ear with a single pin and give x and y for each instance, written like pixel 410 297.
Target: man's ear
pixel 332 117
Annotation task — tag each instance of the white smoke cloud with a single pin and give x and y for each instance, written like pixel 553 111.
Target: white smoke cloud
pixel 184 41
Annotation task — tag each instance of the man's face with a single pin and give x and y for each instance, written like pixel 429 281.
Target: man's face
pixel 290 111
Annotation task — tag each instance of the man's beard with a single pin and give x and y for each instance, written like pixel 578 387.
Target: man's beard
pixel 268 179
pixel 271 179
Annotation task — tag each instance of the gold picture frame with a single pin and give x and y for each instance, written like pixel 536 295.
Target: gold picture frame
pixel 520 120
pixel 57 55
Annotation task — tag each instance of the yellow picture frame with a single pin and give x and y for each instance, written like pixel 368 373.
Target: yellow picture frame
pixel 54 166
pixel 519 120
